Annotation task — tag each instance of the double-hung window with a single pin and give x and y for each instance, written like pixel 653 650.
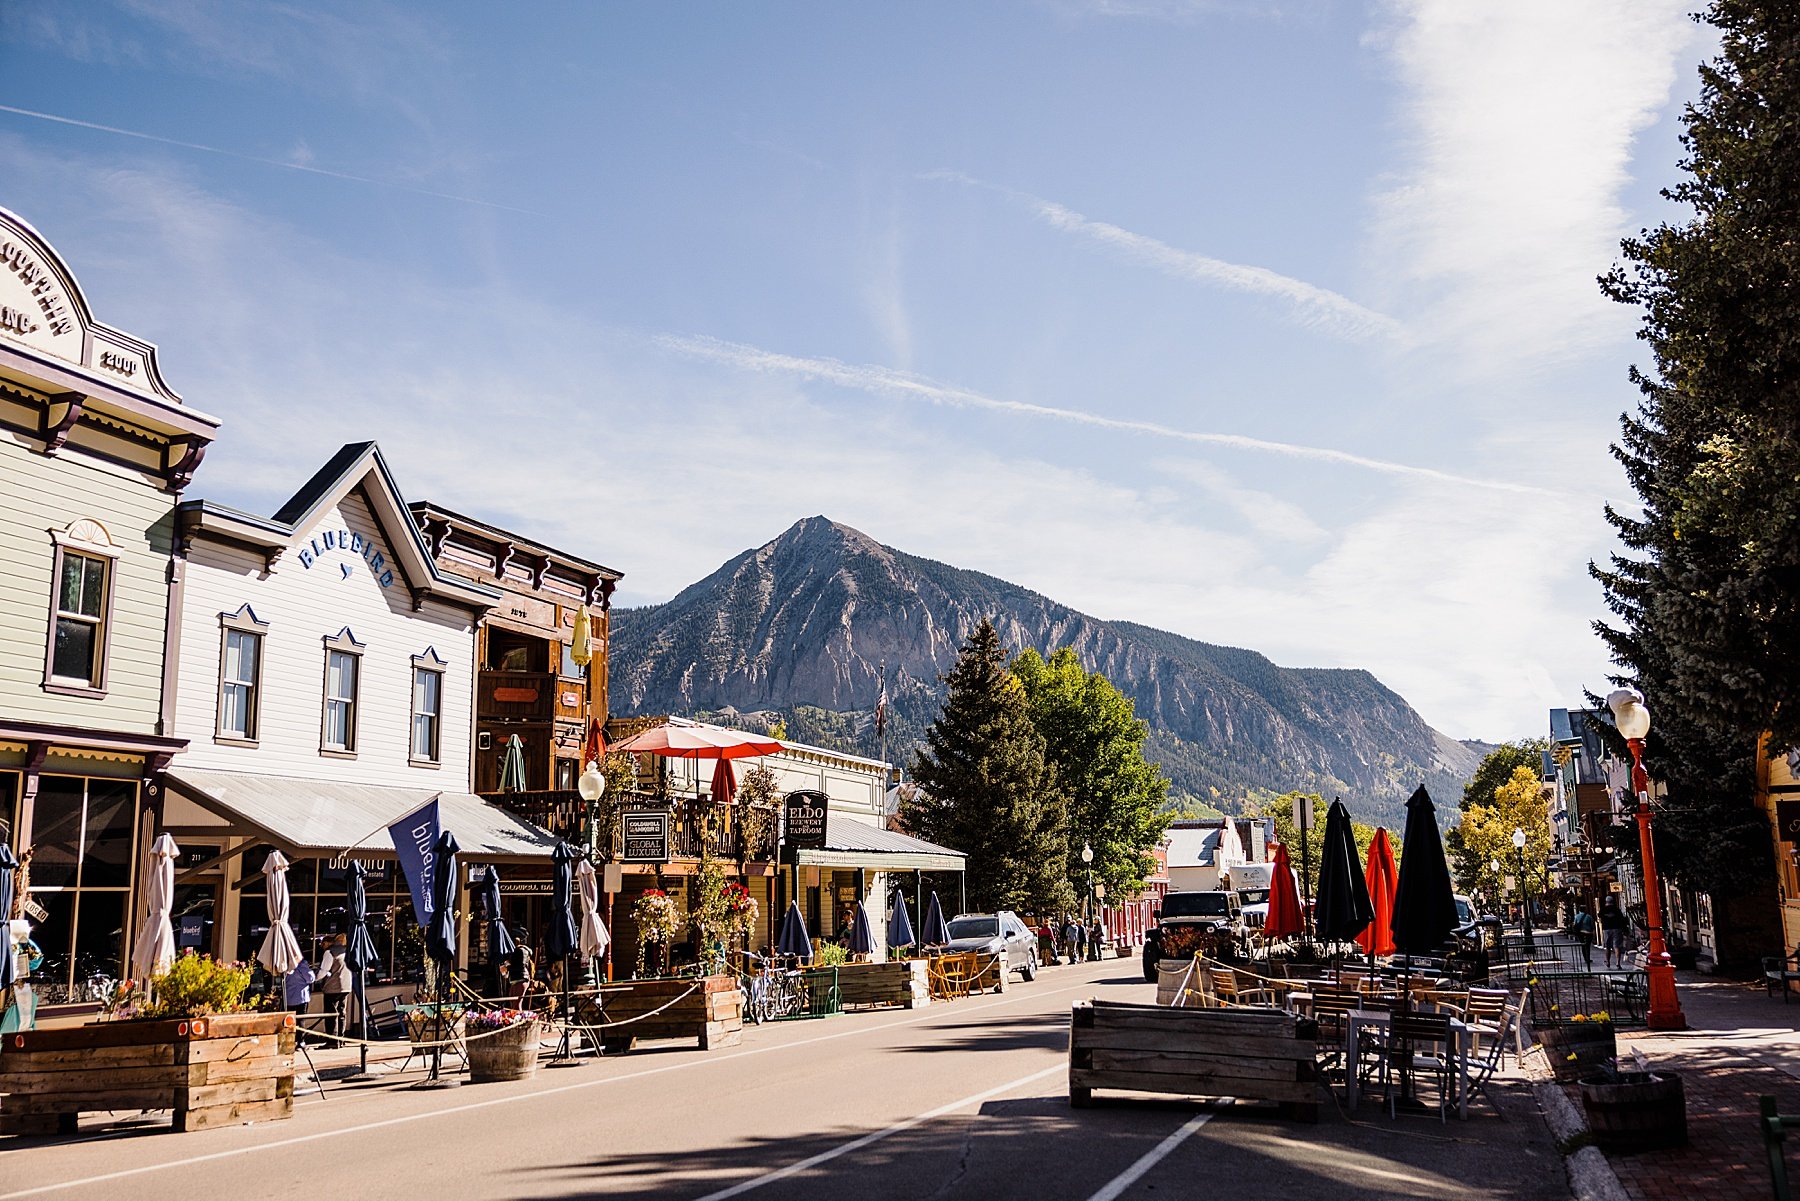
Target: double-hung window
pixel 343 672
pixel 427 711
pixel 240 676
pixel 79 648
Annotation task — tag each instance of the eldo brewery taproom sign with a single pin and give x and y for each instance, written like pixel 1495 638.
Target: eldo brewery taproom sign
pixel 806 816
pixel 646 835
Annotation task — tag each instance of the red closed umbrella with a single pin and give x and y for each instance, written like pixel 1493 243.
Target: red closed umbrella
pixel 1284 920
pixel 724 783
pixel 1383 878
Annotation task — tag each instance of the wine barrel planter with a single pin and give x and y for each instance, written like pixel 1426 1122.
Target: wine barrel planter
pixel 1636 1111
pixel 512 1054
pixel 1578 1050
pixel 220 1070
pixel 1169 976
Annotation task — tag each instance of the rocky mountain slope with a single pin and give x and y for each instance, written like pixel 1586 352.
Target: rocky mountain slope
pixel 797 630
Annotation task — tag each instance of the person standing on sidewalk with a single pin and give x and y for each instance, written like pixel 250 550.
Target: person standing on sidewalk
pixel 334 981
pixel 1613 928
pixel 1071 937
pixel 1584 933
pixel 1096 940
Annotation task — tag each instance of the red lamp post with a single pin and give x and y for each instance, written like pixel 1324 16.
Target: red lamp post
pixel 1633 721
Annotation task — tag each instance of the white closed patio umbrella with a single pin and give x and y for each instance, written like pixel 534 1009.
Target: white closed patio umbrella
pixel 154 949
pixel 594 939
pixel 280 951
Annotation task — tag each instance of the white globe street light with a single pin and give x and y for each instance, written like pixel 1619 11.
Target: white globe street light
pixel 1632 720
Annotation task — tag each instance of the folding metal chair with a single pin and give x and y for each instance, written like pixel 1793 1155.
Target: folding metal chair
pixel 1419 1043
pixel 1490 1063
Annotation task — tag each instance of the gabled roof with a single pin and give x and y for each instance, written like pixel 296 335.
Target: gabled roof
pixel 356 465
pixel 1193 847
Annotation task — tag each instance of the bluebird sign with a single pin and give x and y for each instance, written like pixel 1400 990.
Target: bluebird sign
pixel 415 839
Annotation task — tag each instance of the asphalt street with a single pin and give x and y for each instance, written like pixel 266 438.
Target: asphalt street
pixel 960 1100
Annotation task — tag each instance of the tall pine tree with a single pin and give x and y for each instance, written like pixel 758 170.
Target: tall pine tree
pixel 987 790
pixel 1708 594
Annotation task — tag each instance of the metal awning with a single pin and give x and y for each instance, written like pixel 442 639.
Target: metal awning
pixel 324 818
pixel 853 844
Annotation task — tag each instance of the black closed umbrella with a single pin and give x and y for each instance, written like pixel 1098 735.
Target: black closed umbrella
pixel 9 872
pixel 562 938
pixel 500 940
pixel 1425 899
pixel 440 937
pixel 359 953
pixel 936 931
pixel 900 931
pixel 1342 908
pixel 862 932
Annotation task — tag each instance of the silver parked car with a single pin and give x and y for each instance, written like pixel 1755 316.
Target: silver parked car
pixel 996 934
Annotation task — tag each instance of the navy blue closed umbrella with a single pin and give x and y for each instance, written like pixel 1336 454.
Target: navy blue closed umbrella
pixel 1425 899
pixel 560 935
pixel 794 939
pixel 900 931
pixel 936 930
pixel 9 874
pixel 1342 906
pixel 862 932
pixel 500 939
pixel 440 931
pixel 359 954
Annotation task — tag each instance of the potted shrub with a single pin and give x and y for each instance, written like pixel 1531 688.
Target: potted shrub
pixel 187 1041
pixel 1578 1049
pixel 502 1044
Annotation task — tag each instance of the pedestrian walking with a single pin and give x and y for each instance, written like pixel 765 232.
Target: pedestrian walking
pixel 1081 934
pixel 1071 938
pixel 1096 939
pixel 1584 934
pixel 334 980
pixel 296 986
pixel 1613 928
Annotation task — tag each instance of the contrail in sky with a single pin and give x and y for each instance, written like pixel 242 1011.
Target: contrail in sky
pixel 1316 306
pixel 251 158
pixel 888 382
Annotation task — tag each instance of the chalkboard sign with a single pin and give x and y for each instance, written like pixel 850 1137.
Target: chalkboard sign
pixel 806 814
pixel 646 835
pixel 1787 817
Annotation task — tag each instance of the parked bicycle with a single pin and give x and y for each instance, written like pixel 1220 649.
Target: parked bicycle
pixel 773 992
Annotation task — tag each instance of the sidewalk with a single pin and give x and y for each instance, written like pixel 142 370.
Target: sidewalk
pixel 1741 1044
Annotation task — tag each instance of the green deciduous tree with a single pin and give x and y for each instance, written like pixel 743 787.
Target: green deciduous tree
pixel 1707 595
pixel 1468 866
pixel 1096 744
pixel 1485 834
pixel 987 790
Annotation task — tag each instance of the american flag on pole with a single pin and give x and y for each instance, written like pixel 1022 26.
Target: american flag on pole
pixel 881 703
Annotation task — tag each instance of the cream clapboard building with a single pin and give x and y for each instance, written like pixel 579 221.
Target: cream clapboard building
pixel 326 683
pixel 94 448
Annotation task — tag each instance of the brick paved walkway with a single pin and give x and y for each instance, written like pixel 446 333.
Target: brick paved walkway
pixel 1742 1044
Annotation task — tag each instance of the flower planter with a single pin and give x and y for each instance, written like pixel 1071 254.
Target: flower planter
pixel 1578 1050
pixel 509 1054
pixel 902 982
pixel 706 1008
pixel 212 1071
pixel 1636 1111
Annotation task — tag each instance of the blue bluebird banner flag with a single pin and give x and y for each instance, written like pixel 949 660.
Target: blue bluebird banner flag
pixel 415 845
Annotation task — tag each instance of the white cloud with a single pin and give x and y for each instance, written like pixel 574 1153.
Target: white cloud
pixel 1519 121
pixel 1312 306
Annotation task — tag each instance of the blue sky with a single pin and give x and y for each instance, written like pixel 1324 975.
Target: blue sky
pixel 1271 324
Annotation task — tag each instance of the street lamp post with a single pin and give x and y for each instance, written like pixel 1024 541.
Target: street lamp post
pixel 1633 721
pixel 1087 857
pixel 1518 841
pixel 591 785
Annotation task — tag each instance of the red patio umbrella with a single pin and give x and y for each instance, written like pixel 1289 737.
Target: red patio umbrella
pixel 1382 878
pixel 698 742
pixel 724 783
pixel 1284 919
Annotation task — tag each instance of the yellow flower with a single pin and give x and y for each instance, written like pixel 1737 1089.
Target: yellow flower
pixel 1569 1056
pixel 1603 1016
pixel 1554 1008
pixel 1580 1017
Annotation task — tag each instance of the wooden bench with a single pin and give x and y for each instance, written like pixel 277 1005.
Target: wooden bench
pixel 1779 972
pixel 1247 1054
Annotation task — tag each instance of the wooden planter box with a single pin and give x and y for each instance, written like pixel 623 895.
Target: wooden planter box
pixel 710 1013
pixel 212 1071
pixel 1578 1049
pixel 903 982
pixel 1248 1054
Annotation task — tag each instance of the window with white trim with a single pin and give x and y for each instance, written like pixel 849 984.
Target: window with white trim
pixel 79 643
pixel 427 711
pixel 343 677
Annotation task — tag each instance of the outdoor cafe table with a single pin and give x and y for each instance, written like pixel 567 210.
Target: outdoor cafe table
pixel 1463 1048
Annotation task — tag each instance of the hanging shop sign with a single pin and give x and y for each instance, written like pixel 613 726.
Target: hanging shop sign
pixel 807 812
pixel 646 835
pixel 1787 820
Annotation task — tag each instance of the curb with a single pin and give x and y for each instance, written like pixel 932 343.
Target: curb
pixel 1591 1177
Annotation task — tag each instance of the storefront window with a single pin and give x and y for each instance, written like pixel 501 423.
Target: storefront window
pixel 9 807
pixel 84 843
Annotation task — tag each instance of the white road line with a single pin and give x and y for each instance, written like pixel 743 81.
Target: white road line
pixel 1150 1158
pixel 297 1140
pixel 857 1144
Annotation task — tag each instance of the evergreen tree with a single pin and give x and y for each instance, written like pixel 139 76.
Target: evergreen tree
pixel 1095 742
pixel 1708 594
pixel 986 789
